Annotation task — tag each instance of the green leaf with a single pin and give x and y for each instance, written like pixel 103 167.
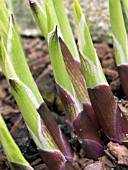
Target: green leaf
pixel 40 17
pixel 60 73
pixel 12 151
pixel 49 5
pixel 34 123
pixel 65 28
pixel 17 60
pixel 10 72
pixel 67 93
pixel 119 34
pixel 125 5
pixel 50 19
pixel 6 64
pixel 4 20
pixel 90 63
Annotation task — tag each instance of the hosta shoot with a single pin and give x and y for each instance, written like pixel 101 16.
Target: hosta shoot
pixel 100 93
pixel 13 153
pixel 120 41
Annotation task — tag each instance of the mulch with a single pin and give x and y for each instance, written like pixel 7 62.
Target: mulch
pixel 38 59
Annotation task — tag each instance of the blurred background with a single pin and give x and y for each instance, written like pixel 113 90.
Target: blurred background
pixel 96 12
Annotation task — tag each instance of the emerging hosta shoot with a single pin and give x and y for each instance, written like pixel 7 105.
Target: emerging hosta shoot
pixel 49 139
pixel 13 153
pixel 35 124
pixel 100 94
pixel 79 120
pixel 120 41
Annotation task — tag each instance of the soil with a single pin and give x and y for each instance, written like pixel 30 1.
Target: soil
pixel 38 59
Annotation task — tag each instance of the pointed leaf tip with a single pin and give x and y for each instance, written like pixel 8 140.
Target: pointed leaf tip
pixel 33 6
pixel 54 32
pixel 32 1
pixel 13 80
pixel 11 19
pixel 57 62
pixel 77 10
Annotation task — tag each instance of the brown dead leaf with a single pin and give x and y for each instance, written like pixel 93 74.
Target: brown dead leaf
pixel 119 152
pixel 95 166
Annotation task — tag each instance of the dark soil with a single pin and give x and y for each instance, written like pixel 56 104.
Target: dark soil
pixel 39 62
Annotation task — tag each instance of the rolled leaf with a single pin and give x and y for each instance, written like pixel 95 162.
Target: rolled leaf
pixel 77 80
pixel 40 16
pixel 10 72
pixel 65 28
pixel 40 132
pixel 38 129
pixel 62 78
pixel 100 94
pixel 12 151
pixel 56 8
pixel 120 41
pixel 39 126
pixel 75 75
pixel 89 60
pixel 12 44
pixel 72 107
pixel 81 123
pixel 118 32
pixel 4 20
pixel 50 20
pixel 125 5
pixel 55 132
pixel 49 5
pixel 107 111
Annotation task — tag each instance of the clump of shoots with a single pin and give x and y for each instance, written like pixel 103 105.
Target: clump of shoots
pixel 52 145
pixel 88 101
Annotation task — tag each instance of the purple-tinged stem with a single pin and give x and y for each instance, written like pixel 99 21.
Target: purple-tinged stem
pixel 107 111
pixel 55 131
pixel 55 160
pixel 123 73
pixel 88 134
